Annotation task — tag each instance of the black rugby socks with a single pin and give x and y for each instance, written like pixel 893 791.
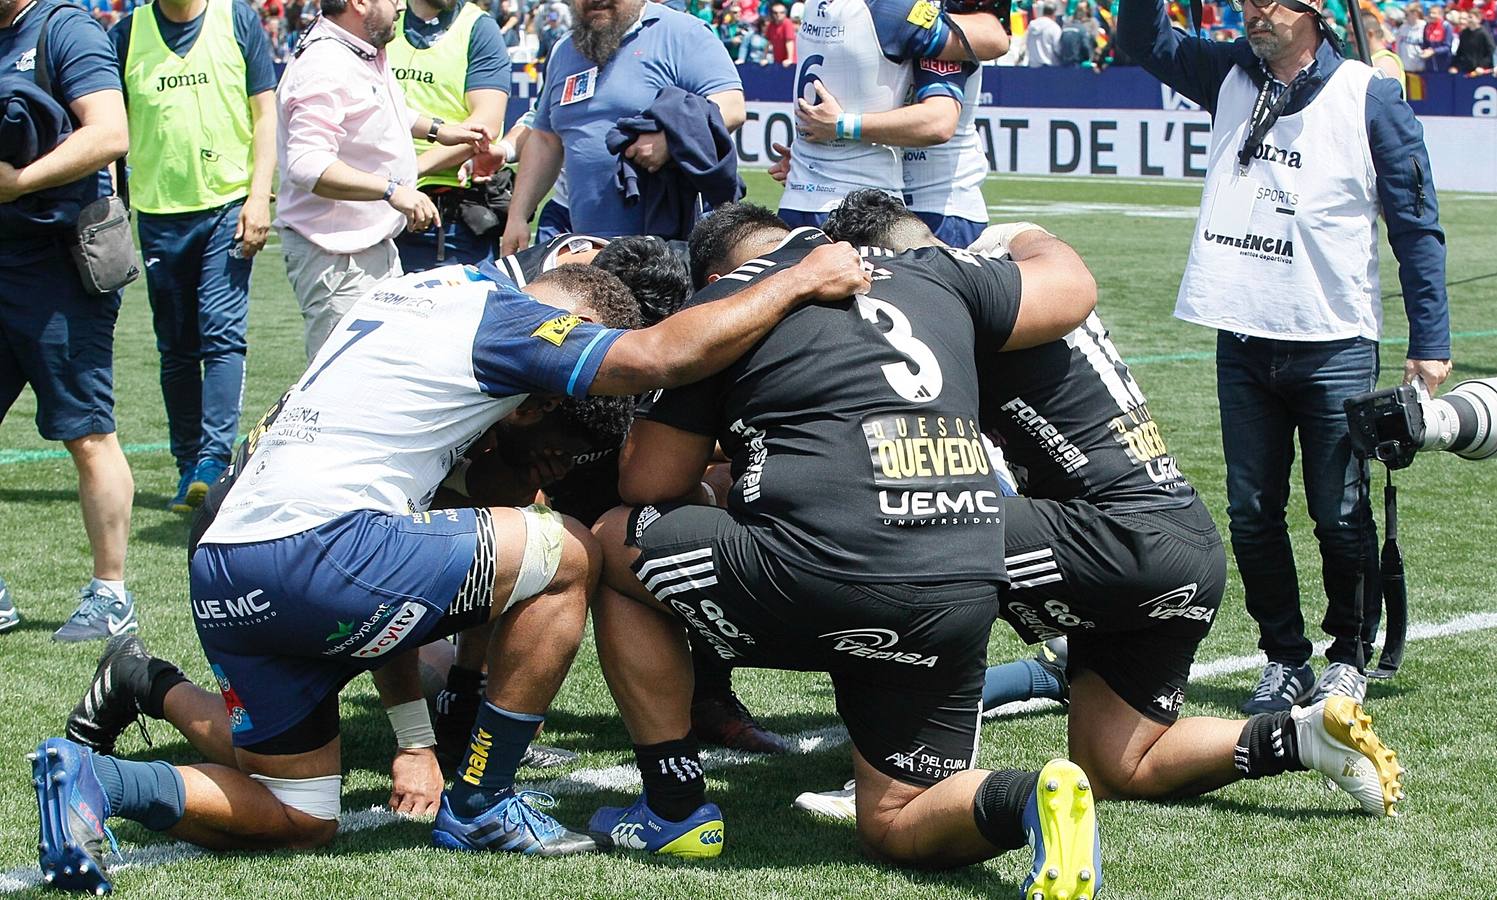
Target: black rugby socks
pixel 998 806
pixel 1268 745
pixel 672 776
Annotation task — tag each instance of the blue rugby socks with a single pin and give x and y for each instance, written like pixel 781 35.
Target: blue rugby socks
pixel 151 793
pixel 494 751
pixel 1022 679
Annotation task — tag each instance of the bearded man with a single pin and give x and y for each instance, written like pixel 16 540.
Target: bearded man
pixel 616 62
pixel 348 170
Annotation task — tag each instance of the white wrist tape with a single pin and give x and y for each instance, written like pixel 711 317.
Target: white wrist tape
pixel 511 154
pixel 995 239
pixel 543 533
pixel 412 723
pixel 319 798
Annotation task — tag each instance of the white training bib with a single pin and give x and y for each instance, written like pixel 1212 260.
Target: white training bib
pixel 1289 248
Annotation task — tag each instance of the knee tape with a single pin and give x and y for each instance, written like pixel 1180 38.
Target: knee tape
pixel 320 798
pixel 543 534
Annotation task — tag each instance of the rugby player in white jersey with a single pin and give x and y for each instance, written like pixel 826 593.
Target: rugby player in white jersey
pixel 857 76
pixel 325 560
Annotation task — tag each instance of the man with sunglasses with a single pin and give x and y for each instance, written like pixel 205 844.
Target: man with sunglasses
pixel 1306 149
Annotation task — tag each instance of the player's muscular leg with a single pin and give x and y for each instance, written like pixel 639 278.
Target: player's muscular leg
pixel 1129 756
pixel 652 688
pixel 535 640
pixel 912 825
pixel 199 715
pixel 229 810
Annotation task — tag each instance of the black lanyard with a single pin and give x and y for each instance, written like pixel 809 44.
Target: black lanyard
pixel 1264 116
pixel 308 40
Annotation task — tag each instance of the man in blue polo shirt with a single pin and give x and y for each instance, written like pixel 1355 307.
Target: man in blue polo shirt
pixel 619 55
pixel 199 83
pixel 54 334
pixel 452 65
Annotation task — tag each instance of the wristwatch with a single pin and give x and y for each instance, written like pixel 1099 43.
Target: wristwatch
pixel 390 190
pixel 431 133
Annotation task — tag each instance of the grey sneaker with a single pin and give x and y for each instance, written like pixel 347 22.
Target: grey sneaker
pixel 100 614
pixel 1280 688
pixel 1340 680
pixel 10 617
pixel 539 756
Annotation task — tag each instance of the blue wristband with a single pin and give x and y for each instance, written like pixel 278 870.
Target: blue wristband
pixel 849 127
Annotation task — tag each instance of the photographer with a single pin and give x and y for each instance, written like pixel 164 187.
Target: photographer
pixel 1306 149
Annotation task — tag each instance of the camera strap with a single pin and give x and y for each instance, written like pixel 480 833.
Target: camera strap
pixel 1265 114
pixel 1395 589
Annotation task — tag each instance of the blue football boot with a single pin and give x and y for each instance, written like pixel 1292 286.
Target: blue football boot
pixel 1060 821
pixel 514 824
pixel 73 809
pixel 637 827
pixel 204 474
pixel 178 502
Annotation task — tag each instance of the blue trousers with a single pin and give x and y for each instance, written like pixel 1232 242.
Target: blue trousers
pixel 418 251
pixel 1268 390
pixel 199 306
pixel 555 221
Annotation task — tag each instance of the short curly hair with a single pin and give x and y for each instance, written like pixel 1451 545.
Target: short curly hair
pixel 714 238
pixel 653 272
pixel 601 292
pixel 873 218
pixel 602 422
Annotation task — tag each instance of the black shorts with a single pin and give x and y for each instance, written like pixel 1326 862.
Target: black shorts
pixel 907 660
pixel 1133 592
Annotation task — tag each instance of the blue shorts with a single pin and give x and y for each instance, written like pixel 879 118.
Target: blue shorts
pixel 953 231
pixel 286 622
pixel 58 338
pixel 799 218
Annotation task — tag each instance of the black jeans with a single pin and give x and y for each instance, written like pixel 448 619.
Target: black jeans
pixel 1268 390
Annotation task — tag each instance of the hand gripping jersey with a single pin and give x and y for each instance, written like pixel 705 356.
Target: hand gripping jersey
pixel 861 51
pixel 1070 413
pixel 853 426
pixel 413 374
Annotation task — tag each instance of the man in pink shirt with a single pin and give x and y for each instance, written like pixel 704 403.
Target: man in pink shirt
pixel 348 171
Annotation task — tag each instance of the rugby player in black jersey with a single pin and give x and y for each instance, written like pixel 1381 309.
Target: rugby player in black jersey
pixel 656 273
pixel 1111 547
pixel 855 541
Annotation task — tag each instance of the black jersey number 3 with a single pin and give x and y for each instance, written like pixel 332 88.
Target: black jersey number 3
pixel 918 377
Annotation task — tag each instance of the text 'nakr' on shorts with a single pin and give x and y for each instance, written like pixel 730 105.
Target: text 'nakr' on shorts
pixel 1134 593
pixel 906 660
pixel 287 622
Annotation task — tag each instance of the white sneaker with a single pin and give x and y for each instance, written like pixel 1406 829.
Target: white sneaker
pixel 839 805
pixel 1340 680
pixel 1337 740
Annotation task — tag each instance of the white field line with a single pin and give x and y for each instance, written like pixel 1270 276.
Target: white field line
pixel 625 778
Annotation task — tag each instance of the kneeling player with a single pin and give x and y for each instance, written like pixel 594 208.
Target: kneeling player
pixel 840 550
pixel 324 560
pixel 1112 548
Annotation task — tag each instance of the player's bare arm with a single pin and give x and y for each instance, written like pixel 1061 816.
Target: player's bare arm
pixel 1058 289
pixel 659 463
pixel 702 340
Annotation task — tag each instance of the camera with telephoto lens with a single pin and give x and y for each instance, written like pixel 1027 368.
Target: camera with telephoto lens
pixel 1395 424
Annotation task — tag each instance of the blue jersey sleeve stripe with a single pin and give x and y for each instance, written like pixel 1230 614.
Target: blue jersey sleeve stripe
pixel 577 370
pixel 940 90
